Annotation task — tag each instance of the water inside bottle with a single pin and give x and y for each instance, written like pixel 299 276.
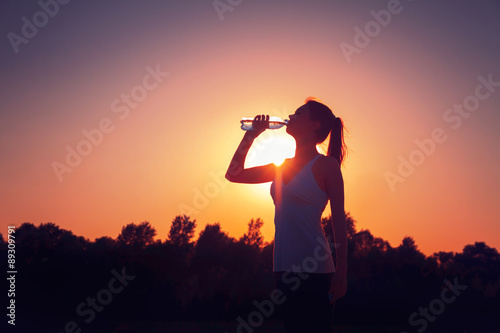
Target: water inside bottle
pixel 274 123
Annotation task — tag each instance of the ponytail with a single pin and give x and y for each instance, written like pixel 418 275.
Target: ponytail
pixel 337 147
pixel 329 125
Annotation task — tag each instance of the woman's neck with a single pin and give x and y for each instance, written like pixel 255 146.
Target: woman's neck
pixel 305 151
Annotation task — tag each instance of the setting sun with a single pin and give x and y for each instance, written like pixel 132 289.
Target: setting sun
pixel 272 146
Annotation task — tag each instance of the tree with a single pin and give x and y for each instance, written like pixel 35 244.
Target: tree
pixel 48 237
pixel 103 244
pixel 480 252
pixel 408 251
pixel 443 258
pixel 138 236
pixel 182 230
pixel 216 265
pixel 408 247
pixel 480 261
pixel 253 236
pixel 211 249
pixel 364 242
pixel 326 223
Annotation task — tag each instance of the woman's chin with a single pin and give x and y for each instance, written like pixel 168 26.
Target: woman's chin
pixel 290 131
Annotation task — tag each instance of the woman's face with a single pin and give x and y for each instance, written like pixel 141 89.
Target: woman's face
pixel 300 124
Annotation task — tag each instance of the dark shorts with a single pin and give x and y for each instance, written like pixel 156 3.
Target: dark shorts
pixel 307 307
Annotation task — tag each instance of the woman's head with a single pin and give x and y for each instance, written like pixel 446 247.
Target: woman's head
pixel 314 121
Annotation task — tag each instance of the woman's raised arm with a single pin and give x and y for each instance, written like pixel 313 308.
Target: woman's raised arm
pixel 236 172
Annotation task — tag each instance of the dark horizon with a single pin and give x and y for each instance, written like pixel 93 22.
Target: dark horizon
pixel 227 282
pixel 135 224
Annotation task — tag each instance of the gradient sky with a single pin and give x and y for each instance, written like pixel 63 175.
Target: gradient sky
pixel 168 155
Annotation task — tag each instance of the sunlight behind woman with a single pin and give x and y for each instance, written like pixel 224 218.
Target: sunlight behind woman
pixel 273 146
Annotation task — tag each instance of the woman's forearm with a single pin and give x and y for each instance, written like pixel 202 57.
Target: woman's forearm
pixel 238 161
pixel 340 239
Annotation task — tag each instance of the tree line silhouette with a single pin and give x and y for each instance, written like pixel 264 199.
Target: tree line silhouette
pixel 66 278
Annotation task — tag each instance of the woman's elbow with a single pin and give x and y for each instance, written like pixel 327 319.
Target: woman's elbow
pixel 232 177
pixel 231 171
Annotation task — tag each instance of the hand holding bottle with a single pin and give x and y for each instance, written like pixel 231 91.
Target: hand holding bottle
pixel 259 124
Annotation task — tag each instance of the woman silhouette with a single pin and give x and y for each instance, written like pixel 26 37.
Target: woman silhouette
pixel 301 187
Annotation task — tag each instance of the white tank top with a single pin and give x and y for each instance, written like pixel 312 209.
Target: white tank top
pixel 300 244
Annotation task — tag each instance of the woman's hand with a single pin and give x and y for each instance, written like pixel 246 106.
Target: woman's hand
pixel 338 287
pixel 259 124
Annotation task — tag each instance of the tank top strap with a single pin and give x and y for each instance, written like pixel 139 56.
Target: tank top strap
pixel 314 160
pixel 310 164
pixel 305 169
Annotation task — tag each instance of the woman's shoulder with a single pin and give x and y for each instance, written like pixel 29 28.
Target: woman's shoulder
pixel 329 161
pixel 327 164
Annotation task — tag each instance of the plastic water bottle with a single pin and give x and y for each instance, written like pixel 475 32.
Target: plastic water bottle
pixel 274 123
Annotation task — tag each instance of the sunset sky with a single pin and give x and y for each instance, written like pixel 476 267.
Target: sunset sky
pixel 160 87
